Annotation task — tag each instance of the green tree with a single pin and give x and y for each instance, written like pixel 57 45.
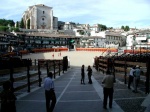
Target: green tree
pixel 17 24
pixel 126 28
pixel 122 27
pixel 22 24
pixel 11 22
pixel 28 24
pixel 15 29
pixel 4 22
pixel 4 28
pixel 102 27
pixel 110 28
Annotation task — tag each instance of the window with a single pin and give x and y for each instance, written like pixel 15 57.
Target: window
pixel 43 12
pixel 43 19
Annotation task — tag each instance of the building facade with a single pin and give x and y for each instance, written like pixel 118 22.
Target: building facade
pixel 115 40
pixel 137 40
pixel 40 17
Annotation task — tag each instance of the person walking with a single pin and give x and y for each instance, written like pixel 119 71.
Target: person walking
pixel 49 93
pixel 136 78
pixel 82 74
pixel 132 71
pixel 108 89
pixel 8 98
pixel 89 69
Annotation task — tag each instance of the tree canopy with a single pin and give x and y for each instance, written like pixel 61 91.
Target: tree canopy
pixel 4 22
pixel 22 24
pixel 4 28
pixel 17 24
pixel 125 28
pixel 4 25
pixel 102 27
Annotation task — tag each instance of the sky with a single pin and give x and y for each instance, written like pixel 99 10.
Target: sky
pixel 112 13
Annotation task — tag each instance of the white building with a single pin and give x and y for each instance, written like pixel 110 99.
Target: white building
pixel 109 39
pixel 115 40
pixel 69 26
pixel 129 41
pixel 92 42
pixel 95 28
pixel 99 41
pixel 138 40
pixel 101 33
pixel 40 17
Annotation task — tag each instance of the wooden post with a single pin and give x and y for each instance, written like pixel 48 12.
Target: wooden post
pixel 125 75
pixel 54 67
pixel 30 62
pixel 39 74
pixel 28 74
pixel 96 63
pixel 147 77
pixel 47 66
pixel 59 67
pixel 11 74
pixel 35 62
pixel 113 63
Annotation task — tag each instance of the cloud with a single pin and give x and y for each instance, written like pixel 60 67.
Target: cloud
pixel 112 13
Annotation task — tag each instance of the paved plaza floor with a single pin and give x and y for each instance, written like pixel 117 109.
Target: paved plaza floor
pixel 75 97
pixel 71 95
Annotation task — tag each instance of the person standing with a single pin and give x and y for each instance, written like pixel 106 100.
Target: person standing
pixel 89 69
pixel 136 78
pixel 108 89
pixel 82 74
pixel 7 98
pixel 132 71
pixel 49 93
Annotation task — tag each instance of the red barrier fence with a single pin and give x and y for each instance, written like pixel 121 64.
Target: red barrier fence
pixel 135 51
pixel 24 51
pixel 9 54
pixel 21 52
pixel 97 49
pixel 50 50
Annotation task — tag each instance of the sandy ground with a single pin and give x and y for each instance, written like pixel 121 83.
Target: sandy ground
pixel 76 58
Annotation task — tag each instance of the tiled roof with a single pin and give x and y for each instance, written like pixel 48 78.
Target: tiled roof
pixel 48 35
pixel 93 37
pixel 113 34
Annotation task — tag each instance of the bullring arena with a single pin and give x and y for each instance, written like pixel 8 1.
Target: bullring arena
pixel 76 58
pixel 72 96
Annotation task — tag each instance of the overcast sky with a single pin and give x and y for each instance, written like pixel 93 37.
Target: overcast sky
pixel 112 13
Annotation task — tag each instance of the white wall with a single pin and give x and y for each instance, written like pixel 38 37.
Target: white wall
pixel 129 41
pixel 47 17
pixel 102 34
